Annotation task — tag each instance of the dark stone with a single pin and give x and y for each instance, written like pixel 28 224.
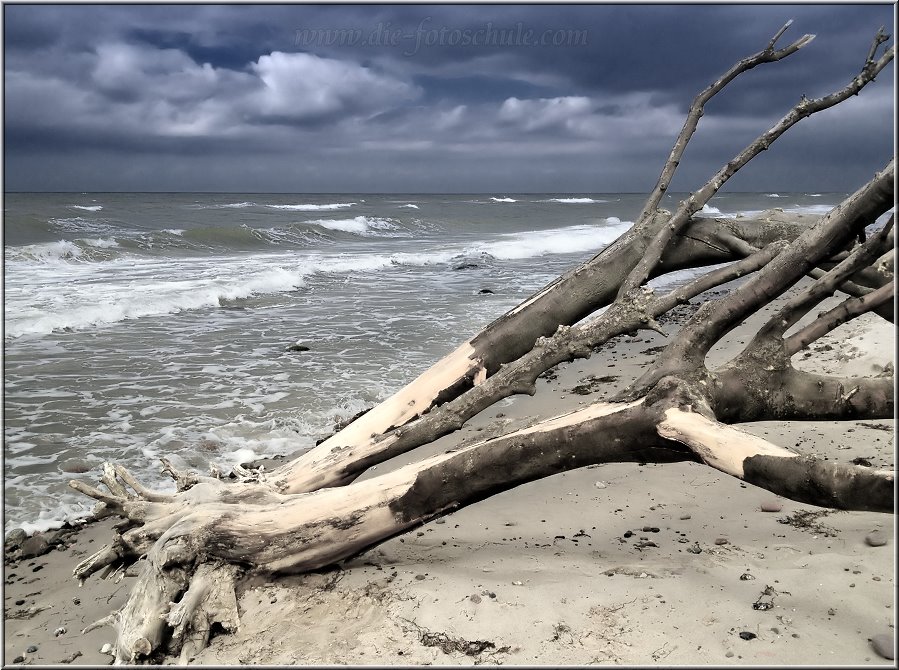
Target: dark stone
pixel 34 546
pixel 864 462
pixel 31 649
pixel 628 534
pixel 75 466
pixel 485 291
pixel 15 538
pixel 466 266
pixel 746 635
pixel 297 347
pixel 19 659
pixel 720 541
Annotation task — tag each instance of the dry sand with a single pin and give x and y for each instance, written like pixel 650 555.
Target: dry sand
pixel 623 563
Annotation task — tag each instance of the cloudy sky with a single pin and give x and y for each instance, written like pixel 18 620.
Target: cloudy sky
pixel 429 98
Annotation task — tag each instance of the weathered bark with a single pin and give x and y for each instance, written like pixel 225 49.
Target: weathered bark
pixel 311 512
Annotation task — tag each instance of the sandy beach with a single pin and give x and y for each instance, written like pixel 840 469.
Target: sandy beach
pixel 613 564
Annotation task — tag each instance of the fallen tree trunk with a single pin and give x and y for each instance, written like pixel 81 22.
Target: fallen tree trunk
pixel 311 512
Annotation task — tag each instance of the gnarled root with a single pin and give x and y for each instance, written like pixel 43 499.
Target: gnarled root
pixel 210 599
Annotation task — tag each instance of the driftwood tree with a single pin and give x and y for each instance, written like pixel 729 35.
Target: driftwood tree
pixel 195 543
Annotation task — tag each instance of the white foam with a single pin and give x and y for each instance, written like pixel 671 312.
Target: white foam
pixel 359 225
pixel 571 239
pixel 88 208
pixel 409 206
pixel 79 304
pixel 773 195
pixel 813 195
pixel 50 519
pixel 810 209
pixel 573 201
pixel 48 252
pixel 101 243
pixel 503 200
pixel 174 231
pixel 314 208
pixel 709 211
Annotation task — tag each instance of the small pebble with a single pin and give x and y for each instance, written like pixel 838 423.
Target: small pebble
pixel 19 659
pixel 729 654
pixel 106 648
pixel 31 649
pixel 771 506
pixel 475 598
pixel 600 485
pixel 883 645
pixel 876 539
pixel 59 631
pixel 685 517
pixel 20 602
pixel 746 635
pixel 721 540
pixel 419 577
pixel 440 521
pixel 516 583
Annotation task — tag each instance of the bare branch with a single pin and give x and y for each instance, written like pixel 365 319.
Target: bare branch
pixel 767 55
pixel 879 39
pixel 759 462
pixel 845 311
pixel 803 109
pixel 799 305
pixel 714 319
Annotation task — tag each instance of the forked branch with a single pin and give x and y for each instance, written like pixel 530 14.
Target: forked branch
pixel 766 55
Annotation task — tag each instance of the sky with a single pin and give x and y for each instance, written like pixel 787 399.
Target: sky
pixel 429 98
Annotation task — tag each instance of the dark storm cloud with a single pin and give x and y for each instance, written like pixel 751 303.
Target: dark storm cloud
pixel 427 98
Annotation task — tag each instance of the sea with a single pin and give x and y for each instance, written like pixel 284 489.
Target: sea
pixel 143 325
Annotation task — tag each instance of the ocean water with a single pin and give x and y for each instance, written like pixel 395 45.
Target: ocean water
pixel 144 325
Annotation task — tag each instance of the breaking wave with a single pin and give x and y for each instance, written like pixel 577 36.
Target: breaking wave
pixel 313 208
